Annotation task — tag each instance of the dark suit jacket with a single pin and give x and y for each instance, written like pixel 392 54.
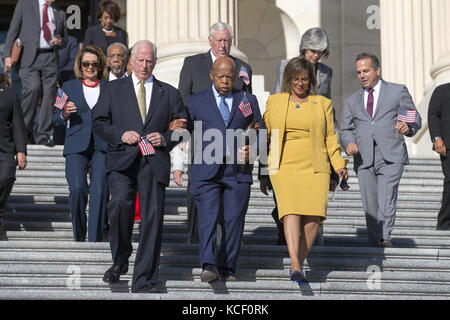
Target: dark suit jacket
pixel 95 35
pixel 194 76
pixel 12 128
pixel 26 25
pixel 67 59
pixel 439 114
pixel 79 133
pixel 117 111
pixel 202 106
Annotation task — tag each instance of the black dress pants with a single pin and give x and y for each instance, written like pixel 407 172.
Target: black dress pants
pixel 443 220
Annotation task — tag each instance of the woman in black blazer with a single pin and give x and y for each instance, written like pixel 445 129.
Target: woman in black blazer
pixel 106 33
pixel 85 152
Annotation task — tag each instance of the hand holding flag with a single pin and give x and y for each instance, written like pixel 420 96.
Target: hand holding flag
pixel 405 116
pixel 61 99
pixel 146 147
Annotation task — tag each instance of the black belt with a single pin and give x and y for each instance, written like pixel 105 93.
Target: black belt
pixel 45 50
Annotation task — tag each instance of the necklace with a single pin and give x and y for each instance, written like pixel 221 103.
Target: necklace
pixel 108 31
pixel 90 85
pixel 298 103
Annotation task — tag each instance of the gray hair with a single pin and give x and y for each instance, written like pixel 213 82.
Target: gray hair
pixel 141 42
pixel 120 44
pixel 371 56
pixel 220 26
pixel 315 39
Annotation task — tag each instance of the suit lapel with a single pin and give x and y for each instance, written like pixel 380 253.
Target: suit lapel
pixel 132 93
pixel 155 101
pixel 213 103
pixel 35 5
pixel 381 96
pixel 208 60
pixel 362 105
pixel 237 98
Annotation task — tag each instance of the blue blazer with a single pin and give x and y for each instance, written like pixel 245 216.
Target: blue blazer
pixel 79 133
pixel 202 107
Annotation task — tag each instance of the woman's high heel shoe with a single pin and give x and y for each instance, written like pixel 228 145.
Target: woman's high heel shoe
pixel 297 276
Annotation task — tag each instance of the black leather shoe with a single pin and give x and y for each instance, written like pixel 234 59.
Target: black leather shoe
pixel 112 275
pixel 146 289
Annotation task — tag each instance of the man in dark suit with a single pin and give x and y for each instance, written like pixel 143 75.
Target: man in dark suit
pixel 38 65
pixel 194 77
pixel 219 184
pixel 128 109
pixel 439 127
pixel 14 143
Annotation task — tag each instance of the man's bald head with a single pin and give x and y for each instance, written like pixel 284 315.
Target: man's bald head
pixel 224 62
pixel 223 74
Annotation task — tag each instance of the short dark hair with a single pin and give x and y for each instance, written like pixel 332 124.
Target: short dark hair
pixel 371 56
pixel 111 8
pixel 102 70
pixel 294 68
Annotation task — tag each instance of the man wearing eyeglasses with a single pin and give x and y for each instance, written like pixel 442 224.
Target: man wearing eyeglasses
pixel 41 28
pixel 115 61
pixel 194 78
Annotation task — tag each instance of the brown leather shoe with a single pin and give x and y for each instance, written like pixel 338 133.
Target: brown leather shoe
pixel 385 244
pixel 210 274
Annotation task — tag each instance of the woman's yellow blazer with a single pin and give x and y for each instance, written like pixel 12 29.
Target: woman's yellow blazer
pixel 325 146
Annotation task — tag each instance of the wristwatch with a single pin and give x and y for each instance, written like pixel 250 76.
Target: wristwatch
pixel 436 138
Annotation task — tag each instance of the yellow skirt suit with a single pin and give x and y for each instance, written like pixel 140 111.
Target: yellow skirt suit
pixel 302 144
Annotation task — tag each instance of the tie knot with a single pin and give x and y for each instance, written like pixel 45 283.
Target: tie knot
pixel 371 90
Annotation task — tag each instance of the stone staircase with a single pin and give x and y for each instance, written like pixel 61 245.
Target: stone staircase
pixel 41 261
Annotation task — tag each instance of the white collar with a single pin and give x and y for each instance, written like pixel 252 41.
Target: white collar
pixel 376 87
pixel 136 80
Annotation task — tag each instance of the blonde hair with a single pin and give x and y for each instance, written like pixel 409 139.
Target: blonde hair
pixel 102 70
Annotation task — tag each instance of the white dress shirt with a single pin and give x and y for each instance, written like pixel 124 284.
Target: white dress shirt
pixel 148 90
pixel 91 95
pixel 51 19
pixel 376 94
pixel 113 77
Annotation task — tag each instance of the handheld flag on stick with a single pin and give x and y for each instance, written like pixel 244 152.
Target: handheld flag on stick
pixel 406 115
pixel 146 147
pixel 243 74
pixel 245 107
pixel 61 99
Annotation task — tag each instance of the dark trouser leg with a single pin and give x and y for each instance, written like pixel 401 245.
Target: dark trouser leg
pixel 49 70
pixel 151 204
pixel 76 175
pixel 7 177
pixel 31 88
pixel 443 219
pixel 98 200
pixel 122 187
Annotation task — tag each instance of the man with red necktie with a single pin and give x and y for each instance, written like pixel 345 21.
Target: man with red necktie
pixel 369 132
pixel 38 68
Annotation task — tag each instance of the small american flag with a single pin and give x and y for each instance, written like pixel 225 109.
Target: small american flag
pixel 245 107
pixel 61 99
pixel 146 147
pixel 405 115
pixel 243 74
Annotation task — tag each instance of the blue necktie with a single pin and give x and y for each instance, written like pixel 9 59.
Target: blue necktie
pixel 223 107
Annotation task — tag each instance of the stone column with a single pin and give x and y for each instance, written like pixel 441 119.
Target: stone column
pixel 416 52
pixel 179 28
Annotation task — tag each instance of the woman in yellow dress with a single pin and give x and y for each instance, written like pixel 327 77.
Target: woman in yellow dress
pixel 303 142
